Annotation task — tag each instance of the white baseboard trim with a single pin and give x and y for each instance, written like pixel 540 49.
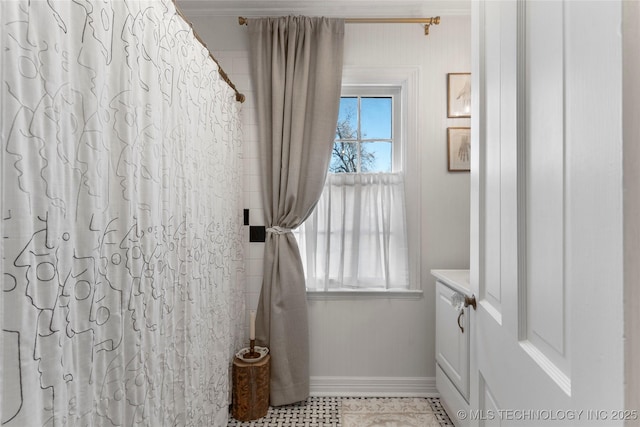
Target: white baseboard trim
pixel 374 386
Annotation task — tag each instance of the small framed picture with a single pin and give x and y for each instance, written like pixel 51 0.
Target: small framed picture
pixel 459 149
pixel 459 95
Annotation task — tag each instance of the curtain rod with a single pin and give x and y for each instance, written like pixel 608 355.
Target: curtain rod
pixel 426 21
pixel 239 96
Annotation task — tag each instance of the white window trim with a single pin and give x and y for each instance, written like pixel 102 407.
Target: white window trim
pixel 407 78
pixel 346 294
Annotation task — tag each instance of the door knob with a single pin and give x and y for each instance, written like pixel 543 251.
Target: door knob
pixel 470 301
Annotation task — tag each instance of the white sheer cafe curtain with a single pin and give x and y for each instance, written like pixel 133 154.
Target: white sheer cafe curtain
pixel 121 176
pixel 356 237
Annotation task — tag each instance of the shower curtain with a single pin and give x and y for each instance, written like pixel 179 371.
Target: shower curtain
pixel 122 271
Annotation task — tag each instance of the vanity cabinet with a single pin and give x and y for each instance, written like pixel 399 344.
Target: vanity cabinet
pixel 453 341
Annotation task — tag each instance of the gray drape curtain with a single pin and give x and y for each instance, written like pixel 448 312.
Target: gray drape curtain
pixel 297 73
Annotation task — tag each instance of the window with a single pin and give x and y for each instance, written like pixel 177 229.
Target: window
pixel 368 132
pixel 356 237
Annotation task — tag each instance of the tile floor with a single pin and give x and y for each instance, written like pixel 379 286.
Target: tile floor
pixel 319 412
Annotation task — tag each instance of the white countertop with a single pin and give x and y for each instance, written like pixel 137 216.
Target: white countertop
pixel 455 279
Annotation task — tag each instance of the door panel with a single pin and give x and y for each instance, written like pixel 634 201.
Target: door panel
pixel 489 408
pixel 491 289
pixel 543 210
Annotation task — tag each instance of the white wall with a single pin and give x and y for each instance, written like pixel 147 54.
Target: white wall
pixel 377 345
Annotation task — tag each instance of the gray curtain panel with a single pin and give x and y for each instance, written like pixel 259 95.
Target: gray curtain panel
pixel 297 74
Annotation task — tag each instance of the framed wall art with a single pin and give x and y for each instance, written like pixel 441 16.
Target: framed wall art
pixel 459 149
pixel 459 95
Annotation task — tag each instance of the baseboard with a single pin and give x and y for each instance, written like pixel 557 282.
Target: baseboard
pixel 374 386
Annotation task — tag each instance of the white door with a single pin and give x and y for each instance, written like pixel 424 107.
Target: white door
pixel 546 252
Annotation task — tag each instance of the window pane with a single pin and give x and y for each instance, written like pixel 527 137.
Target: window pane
pixel 347 127
pixel 344 157
pixel 376 118
pixel 376 156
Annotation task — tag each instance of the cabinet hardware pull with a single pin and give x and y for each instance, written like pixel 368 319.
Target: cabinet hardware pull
pixel 460 317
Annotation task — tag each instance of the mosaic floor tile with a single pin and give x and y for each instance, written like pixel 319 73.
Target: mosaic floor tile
pixel 319 412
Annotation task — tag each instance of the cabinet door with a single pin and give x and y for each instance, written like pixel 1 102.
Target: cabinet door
pixel 452 344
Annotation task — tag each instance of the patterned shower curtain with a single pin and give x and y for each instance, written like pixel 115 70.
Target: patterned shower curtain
pixel 122 271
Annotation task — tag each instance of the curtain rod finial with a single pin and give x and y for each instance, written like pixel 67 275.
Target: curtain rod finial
pixel 242 20
pixel 433 21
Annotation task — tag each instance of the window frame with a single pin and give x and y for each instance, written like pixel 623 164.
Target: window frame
pixel 408 156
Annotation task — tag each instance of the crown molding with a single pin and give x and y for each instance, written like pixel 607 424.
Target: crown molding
pixel 330 8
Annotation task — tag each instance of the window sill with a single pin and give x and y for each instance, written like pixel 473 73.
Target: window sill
pixel 413 294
